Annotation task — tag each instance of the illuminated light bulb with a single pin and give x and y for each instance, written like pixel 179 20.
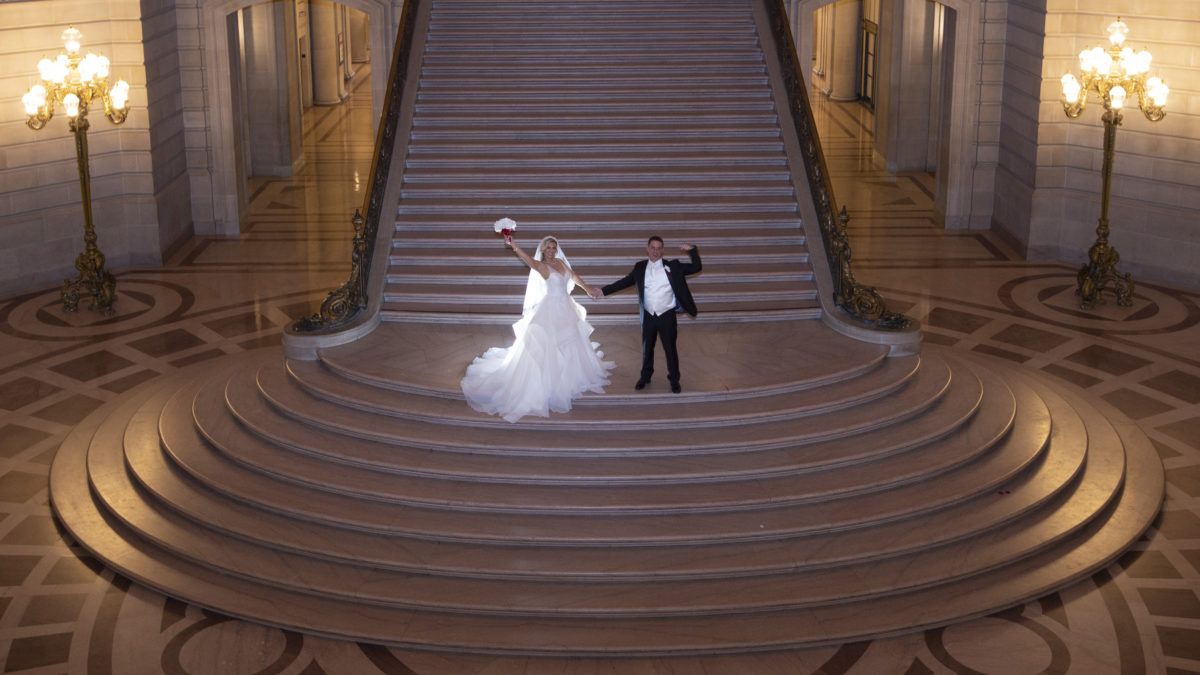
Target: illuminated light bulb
pixel 71 37
pixel 1117 97
pixel 1158 90
pixel 1097 60
pixel 46 69
pixel 1117 31
pixel 87 67
pixel 1107 65
pixel 34 99
pixel 1143 61
pixel 1070 88
pixel 62 67
pixel 120 94
pixel 71 103
pixel 102 64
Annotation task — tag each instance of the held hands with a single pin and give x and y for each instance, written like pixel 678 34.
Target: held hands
pixel 596 293
pixel 684 248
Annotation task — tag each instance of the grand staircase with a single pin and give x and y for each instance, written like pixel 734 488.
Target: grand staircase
pixel 599 124
pixel 805 488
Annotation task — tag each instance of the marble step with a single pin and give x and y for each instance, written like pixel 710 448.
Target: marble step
pixel 605 104
pixel 492 253
pixel 489 259
pixel 616 69
pixel 478 237
pixel 598 142
pixel 182 425
pixel 833 411
pixel 400 310
pixel 617 230
pixel 628 597
pixel 493 257
pixel 640 88
pixel 806 355
pixel 676 19
pixel 485 210
pixel 505 290
pixel 608 232
pixel 541 495
pixel 481 316
pixel 775 277
pixel 630 192
pixel 496 294
pixel 696 102
pixel 634 174
pixel 531 37
pixel 446 60
pixel 619 160
pixel 208 466
pixel 1008 577
pixel 613 105
pixel 928 446
pixel 550 37
pixel 255 420
pixel 853 543
pixel 434 296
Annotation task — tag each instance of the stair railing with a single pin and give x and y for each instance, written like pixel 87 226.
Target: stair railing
pixel 346 302
pixel 861 302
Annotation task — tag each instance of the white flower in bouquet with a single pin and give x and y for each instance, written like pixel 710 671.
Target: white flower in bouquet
pixel 505 226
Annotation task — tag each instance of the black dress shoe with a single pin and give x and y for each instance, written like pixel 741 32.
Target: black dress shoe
pixel 641 384
pixel 675 388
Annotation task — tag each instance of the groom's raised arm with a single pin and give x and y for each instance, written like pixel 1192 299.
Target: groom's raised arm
pixel 693 253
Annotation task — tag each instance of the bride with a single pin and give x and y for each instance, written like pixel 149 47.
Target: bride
pixel 553 359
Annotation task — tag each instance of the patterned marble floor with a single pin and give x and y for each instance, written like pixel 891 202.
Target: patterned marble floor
pixel 61 612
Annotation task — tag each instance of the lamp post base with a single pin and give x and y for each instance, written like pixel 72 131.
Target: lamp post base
pixel 94 279
pixel 1098 273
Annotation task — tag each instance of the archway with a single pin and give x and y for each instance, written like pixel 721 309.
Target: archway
pixel 961 92
pixel 226 169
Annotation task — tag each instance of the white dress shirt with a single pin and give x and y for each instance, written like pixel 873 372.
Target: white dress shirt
pixel 659 298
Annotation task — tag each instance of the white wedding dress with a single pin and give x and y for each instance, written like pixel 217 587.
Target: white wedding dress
pixel 552 361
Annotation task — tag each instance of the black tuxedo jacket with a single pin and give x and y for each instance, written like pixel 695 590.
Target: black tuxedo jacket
pixel 677 273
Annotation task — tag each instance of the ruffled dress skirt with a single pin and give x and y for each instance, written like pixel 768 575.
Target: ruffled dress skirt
pixel 551 362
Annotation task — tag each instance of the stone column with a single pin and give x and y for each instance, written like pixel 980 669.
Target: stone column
pixel 329 82
pixel 843 70
pixel 360 38
pixel 269 88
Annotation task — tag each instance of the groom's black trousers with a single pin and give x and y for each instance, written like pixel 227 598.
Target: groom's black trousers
pixel 664 325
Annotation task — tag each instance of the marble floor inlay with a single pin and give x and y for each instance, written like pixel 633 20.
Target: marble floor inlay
pixel 62 612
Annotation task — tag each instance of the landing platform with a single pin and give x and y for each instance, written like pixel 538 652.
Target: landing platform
pixel 714 357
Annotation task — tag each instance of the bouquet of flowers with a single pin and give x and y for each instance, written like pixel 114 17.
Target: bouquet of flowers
pixel 506 226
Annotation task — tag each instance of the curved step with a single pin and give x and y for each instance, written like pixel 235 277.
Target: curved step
pixel 259 439
pixel 1009 554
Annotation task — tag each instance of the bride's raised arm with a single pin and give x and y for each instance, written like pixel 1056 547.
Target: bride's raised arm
pixel 536 265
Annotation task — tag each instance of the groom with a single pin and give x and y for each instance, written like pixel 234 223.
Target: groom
pixel 662 291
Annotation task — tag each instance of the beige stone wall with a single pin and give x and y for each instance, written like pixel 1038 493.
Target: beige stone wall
pixel 41 214
pixel 1014 56
pixel 173 87
pixel 1154 210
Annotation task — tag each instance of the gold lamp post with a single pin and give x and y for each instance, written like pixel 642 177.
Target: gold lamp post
pixel 76 82
pixel 1115 75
